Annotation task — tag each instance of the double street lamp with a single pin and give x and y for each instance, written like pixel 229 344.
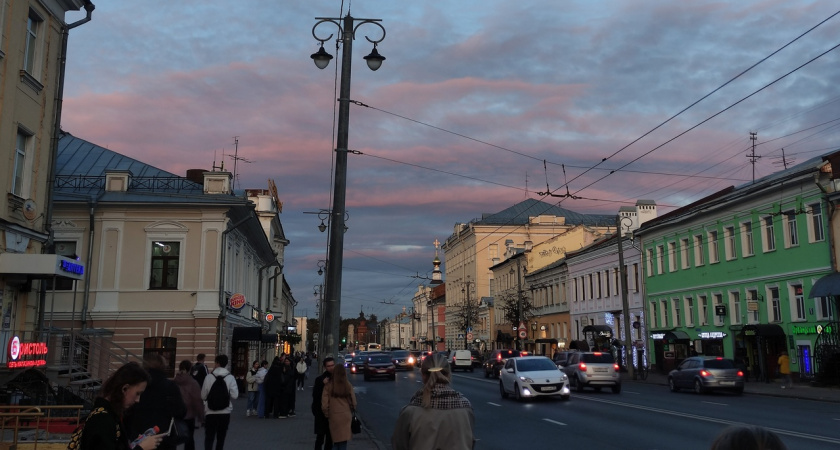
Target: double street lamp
pixel 347 26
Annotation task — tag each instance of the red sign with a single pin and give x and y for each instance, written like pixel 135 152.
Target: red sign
pixel 237 301
pixel 26 354
pixel 269 317
pixel 522 334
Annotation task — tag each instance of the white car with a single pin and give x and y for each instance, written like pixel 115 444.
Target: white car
pixel 532 376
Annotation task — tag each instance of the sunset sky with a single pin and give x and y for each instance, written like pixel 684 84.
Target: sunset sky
pixel 478 106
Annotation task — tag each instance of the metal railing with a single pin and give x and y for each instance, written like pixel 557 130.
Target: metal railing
pixel 34 424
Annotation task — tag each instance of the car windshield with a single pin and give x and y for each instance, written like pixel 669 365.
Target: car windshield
pixel 399 354
pixel 359 359
pixel 719 364
pixel 379 359
pixel 533 365
pixel 594 358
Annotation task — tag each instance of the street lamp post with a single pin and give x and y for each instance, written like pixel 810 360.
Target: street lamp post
pixel 625 303
pixel 332 309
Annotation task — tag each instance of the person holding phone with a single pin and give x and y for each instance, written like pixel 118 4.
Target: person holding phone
pixel 161 402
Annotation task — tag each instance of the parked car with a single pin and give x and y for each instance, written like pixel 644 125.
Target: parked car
pixel 402 359
pixel 461 360
pixel 494 363
pixel 379 365
pixel 533 376
pixel 593 369
pixel 707 373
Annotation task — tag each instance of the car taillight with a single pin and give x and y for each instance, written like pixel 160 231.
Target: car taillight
pixel 499 357
pixel 615 366
pixel 597 353
pixel 704 373
pixel 740 374
pixel 582 366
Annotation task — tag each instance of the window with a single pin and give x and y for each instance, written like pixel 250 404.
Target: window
pixel 698 250
pixel 20 180
pixel 714 256
pixel 776 305
pixel 649 262
pixel 825 309
pixel 607 283
pixel 718 300
pixel 798 302
pixel 791 235
pixel 769 236
pixel 677 313
pixel 747 239
pixel 704 310
pixel 663 305
pixel 672 256
pixel 165 260
pixel 729 239
pixel 816 231
pixel 689 312
pixel 735 306
pixel 684 253
pixel 33 25
pixel 660 259
pixel 653 314
pixel 635 277
pixel 752 306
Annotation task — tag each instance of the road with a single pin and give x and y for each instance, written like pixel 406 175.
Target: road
pixel 643 416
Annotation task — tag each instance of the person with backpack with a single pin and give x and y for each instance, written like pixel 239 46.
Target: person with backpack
pixel 301 368
pixel 218 393
pixel 199 370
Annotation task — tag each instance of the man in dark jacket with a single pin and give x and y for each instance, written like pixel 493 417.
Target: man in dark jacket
pixel 323 440
pixel 159 404
pixel 199 370
pixel 287 396
pixel 273 388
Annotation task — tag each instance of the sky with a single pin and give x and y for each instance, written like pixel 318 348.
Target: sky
pixel 479 105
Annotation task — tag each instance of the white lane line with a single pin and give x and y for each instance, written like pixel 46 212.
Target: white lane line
pixel 494 404
pixel 630 392
pixel 715 403
pixel 555 422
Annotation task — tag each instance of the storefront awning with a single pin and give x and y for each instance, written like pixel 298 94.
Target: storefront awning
pixel 41 266
pixel 603 330
pixel 247 334
pixel 676 335
pixel 826 286
pixel 764 329
pixel 546 341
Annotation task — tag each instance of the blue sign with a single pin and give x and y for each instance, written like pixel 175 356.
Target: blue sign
pixel 71 267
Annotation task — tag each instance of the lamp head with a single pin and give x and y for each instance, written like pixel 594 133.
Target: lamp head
pixel 322 58
pixel 322 227
pixel 374 59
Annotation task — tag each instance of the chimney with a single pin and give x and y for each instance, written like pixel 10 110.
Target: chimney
pixel 196 175
pixel 217 182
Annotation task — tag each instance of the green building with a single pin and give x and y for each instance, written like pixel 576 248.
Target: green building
pixel 730 274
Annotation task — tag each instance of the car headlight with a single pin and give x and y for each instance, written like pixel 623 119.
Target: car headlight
pixel 526 379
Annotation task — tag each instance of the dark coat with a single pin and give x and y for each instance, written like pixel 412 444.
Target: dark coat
pixel 191 395
pixel 104 431
pixel 160 402
pixel 322 426
pixel 273 384
pixel 288 375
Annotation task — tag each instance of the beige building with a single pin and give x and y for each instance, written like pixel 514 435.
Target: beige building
pixel 33 38
pixel 176 265
pixel 476 246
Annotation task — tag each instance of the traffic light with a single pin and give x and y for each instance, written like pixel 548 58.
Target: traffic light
pixel 343 340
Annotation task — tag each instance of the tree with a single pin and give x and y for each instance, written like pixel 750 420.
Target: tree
pixel 465 315
pixel 510 309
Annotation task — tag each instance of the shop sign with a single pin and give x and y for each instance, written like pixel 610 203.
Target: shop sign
pixel 237 301
pixel 26 354
pixel 752 306
pixel 269 317
pixel 712 335
pixel 807 329
pixel 71 267
pixel 657 336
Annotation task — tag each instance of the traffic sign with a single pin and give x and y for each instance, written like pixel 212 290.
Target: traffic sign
pixel 460 336
pixel 469 336
pixel 522 334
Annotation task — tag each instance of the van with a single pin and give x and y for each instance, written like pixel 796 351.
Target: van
pixel 462 359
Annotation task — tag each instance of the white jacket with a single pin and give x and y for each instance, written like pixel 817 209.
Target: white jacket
pixel 260 375
pixel 232 389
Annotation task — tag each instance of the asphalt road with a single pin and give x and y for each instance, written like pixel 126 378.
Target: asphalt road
pixel 643 416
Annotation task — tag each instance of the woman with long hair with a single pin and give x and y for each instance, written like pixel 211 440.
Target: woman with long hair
pixel 338 403
pixel 192 398
pixel 104 429
pixel 436 416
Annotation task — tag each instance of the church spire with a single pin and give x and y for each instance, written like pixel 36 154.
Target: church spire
pixel 437 276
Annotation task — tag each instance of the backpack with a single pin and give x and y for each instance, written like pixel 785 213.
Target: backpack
pixel 219 396
pixel 76 438
pixel 199 373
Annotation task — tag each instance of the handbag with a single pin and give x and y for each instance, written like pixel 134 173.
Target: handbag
pixel 180 431
pixel 355 423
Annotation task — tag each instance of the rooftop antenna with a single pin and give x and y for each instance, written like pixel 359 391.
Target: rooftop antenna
pixel 222 167
pixel 236 157
pixel 752 156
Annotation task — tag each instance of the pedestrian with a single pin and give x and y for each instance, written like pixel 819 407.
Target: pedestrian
pixel 253 389
pixel 287 396
pixel 104 428
pixel 435 407
pixel 273 388
pixel 218 420
pixel 199 370
pixel 784 369
pixel 192 399
pixel 160 404
pixel 747 438
pixel 338 403
pixel 301 368
pixel 323 440
pixel 261 386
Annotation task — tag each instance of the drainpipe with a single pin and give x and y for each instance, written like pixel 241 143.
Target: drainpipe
pixel 86 296
pixel 222 306
pixel 49 248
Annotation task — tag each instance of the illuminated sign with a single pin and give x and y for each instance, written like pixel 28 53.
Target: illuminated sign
pixel 237 301
pixel 72 267
pixel 712 335
pixel 26 354
pixel 657 336
pixel 809 329
pixel 269 317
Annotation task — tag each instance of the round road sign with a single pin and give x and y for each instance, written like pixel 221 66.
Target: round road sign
pixel 469 336
pixel 522 334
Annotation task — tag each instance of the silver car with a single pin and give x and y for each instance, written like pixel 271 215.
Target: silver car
pixel 532 376
pixel 705 373
pixel 593 369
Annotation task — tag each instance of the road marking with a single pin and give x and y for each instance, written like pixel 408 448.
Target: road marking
pixel 715 403
pixel 555 422
pixel 630 392
pixel 494 404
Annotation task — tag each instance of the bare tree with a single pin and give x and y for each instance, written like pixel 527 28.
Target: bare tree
pixel 510 308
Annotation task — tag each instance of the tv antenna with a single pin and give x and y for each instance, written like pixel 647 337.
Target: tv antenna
pixel 236 158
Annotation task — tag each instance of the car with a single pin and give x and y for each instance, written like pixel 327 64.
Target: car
pixel 357 363
pixel 416 355
pixel 402 359
pixel 561 358
pixel 494 363
pixel 379 365
pixel 707 373
pixel 593 369
pixel 477 358
pixel 423 355
pixel 461 359
pixel 533 376
pixel 348 359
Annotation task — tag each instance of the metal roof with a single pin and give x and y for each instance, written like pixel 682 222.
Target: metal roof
pixel 519 214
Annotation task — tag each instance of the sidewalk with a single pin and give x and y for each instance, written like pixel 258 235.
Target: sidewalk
pixel 773 388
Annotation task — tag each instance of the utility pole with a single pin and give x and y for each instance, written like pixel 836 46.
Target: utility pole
pixel 468 313
pixel 625 304
pixel 752 156
pixel 518 302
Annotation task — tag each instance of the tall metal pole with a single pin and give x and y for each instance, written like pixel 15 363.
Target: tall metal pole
pixel 518 303
pixel 625 304
pixel 467 330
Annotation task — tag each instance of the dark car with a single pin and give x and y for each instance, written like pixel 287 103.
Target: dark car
pixel 402 359
pixel 379 365
pixel 706 373
pixel 497 359
pixel 477 358
pixel 357 363
pixel 561 358
pixel 416 355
